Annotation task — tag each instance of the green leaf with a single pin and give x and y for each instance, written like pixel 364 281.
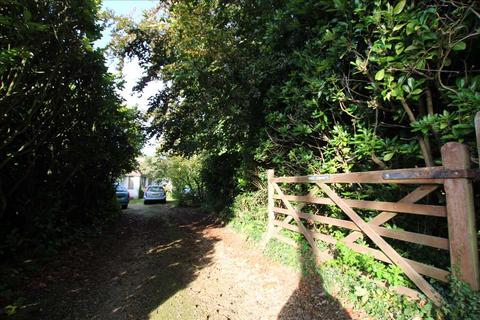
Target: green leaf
pixel 399 7
pixel 421 63
pixel 398 26
pixel 411 47
pixel 410 28
pixel 411 82
pixel 459 46
pixel 380 74
pixel 388 156
pixel 399 48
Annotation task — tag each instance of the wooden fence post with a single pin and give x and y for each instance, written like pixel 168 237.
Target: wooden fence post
pixel 271 214
pixel 462 233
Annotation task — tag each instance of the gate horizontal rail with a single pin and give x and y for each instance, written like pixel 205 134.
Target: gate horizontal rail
pixel 428 175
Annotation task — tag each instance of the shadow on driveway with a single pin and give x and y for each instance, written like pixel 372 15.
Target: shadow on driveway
pixel 310 300
pixel 151 255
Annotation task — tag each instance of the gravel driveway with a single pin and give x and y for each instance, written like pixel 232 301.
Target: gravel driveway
pixel 160 262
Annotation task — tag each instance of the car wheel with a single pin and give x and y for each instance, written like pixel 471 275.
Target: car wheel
pixel 164 201
pixel 145 202
pixel 124 206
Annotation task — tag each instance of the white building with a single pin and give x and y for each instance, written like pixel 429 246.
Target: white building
pixel 133 182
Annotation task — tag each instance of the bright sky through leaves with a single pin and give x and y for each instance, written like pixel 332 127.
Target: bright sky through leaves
pixel 132 71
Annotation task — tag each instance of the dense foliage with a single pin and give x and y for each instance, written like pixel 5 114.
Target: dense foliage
pixel 310 86
pixel 65 136
pixel 305 87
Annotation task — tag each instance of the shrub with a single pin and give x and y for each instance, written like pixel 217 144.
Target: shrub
pixel 66 137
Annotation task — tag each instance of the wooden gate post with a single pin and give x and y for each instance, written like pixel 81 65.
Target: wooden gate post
pixel 271 214
pixel 462 233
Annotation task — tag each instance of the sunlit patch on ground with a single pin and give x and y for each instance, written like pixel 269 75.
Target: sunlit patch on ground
pixel 179 306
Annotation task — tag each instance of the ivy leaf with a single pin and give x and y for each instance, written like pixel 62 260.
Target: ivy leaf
pixel 399 7
pixel 459 46
pixel 380 74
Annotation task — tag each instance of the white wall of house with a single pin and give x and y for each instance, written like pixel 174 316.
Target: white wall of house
pixel 133 184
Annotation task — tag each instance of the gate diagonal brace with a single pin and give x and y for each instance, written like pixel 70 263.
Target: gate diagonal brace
pixel 299 207
pixel 319 255
pixel 390 252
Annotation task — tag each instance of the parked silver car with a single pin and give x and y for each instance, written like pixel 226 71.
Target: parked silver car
pixel 123 197
pixel 154 193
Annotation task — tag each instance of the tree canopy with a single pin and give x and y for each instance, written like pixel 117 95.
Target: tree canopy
pixel 309 86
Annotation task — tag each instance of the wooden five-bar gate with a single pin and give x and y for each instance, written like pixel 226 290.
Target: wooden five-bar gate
pixel 456 178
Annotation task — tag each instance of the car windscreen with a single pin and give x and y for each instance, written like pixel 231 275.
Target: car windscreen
pixel 121 188
pixel 155 189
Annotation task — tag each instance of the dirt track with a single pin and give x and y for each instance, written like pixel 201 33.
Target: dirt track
pixel 170 263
